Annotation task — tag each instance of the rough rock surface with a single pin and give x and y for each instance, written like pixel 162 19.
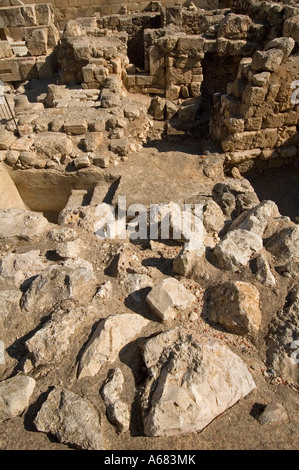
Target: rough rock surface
pixel 110 336
pixel 236 249
pixel 168 298
pixel 20 224
pixel 283 339
pixel 71 419
pixel 117 411
pixel 192 380
pixel 236 307
pixel 15 394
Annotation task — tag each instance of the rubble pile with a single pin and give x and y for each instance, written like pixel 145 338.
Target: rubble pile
pixel 115 332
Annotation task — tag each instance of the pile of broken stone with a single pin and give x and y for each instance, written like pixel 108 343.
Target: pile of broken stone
pixel 75 308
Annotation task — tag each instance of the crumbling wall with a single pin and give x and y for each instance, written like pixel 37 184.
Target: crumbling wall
pixel 257 119
pixel 29 37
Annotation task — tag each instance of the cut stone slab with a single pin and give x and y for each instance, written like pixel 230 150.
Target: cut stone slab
pixel 168 298
pixel 110 336
pixel 236 307
pixel 236 249
pixel 75 126
pixel 117 411
pixel 273 413
pixel 192 380
pixel 71 419
pixel 22 224
pixel 15 394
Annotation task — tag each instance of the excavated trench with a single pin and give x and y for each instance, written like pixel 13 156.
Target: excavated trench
pixel 48 192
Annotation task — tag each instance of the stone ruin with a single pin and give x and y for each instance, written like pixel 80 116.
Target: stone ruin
pixel 108 342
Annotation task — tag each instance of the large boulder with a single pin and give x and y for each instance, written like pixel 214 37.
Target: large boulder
pixel 192 380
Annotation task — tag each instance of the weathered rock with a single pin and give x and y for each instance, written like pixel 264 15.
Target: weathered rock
pixel 75 125
pixel 21 224
pixel 109 99
pixel 93 140
pixel 234 196
pixel 57 283
pixel 157 108
pixel 256 219
pixel 283 339
pixel 19 267
pixel 15 394
pixel 110 336
pixel 6 138
pixel 192 380
pixel 55 93
pixel 235 306
pixel 125 261
pixel 69 249
pixel 168 298
pixel 71 419
pixel 187 260
pixel 234 26
pixel 213 218
pixel 273 413
pixel 117 411
pixel 9 306
pixel 285 243
pixel 267 61
pixel 53 144
pixel 82 161
pixel 37 41
pixel 31 160
pixel 136 282
pixel 119 146
pixel 51 343
pixel 286 45
pixel 264 274
pixel 236 249
pixel 104 291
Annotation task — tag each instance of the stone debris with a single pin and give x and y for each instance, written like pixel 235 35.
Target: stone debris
pixel 169 298
pixel 110 336
pixel 169 107
pixel 17 268
pixel 51 343
pixel 117 411
pixel 71 419
pixel 273 413
pixel 236 249
pixel 236 307
pixel 22 225
pixel 54 284
pixel 192 380
pixel 15 394
pixel 283 339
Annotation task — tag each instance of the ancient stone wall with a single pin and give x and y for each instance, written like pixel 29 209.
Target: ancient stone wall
pixel 66 10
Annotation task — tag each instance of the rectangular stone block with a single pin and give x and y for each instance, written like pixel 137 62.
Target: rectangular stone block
pixel 9 71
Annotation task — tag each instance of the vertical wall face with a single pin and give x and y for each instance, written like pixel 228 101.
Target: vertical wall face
pixel 70 9
pixel 9 195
